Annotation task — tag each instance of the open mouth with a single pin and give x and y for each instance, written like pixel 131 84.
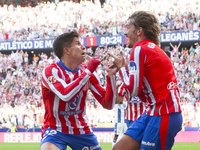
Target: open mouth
pixel 83 54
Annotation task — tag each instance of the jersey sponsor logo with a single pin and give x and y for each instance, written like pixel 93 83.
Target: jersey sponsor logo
pixel 148 143
pixel 132 67
pixel 52 79
pixel 94 147
pixel 69 113
pixel 47 133
pixel 72 106
pixel 172 86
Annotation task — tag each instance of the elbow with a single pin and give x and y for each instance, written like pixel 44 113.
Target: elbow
pixel 106 106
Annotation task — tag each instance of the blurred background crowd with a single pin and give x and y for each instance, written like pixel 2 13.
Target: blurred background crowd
pixel 28 20
pixel 20 88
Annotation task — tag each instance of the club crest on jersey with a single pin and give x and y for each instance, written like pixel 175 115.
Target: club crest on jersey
pixel 52 79
pixel 134 99
pixel 132 67
pixel 74 103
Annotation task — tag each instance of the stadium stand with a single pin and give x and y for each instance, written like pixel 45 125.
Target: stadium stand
pixel 21 21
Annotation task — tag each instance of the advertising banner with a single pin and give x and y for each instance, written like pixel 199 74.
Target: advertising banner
pixel 34 137
pixel 182 36
pixel 103 137
pixel 28 45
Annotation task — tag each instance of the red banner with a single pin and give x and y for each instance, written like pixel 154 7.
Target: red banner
pixel 188 136
pixel 103 137
pixel 34 137
pixel 20 137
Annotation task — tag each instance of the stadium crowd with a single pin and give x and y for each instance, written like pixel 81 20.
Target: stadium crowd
pixel 20 21
pixel 20 91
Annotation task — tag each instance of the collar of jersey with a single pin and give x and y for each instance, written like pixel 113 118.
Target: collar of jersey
pixel 143 41
pixel 65 68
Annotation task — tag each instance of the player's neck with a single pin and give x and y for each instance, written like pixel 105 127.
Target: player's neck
pixel 70 64
pixel 141 38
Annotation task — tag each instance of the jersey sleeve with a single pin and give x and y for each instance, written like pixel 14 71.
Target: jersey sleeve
pixel 132 80
pixel 106 97
pixel 51 79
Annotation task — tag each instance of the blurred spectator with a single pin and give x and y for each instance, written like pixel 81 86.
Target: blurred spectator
pixel 13 128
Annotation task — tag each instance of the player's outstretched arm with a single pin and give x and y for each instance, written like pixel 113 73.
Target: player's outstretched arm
pixel 119 98
pixel 106 97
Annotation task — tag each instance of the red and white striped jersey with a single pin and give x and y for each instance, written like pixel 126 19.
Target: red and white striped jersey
pixel 134 109
pixel 64 93
pixel 151 77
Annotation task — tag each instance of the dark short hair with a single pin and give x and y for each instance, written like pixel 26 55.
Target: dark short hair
pixel 63 40
pixel 148 22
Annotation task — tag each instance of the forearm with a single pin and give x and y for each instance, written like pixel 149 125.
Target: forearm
pixel 110 93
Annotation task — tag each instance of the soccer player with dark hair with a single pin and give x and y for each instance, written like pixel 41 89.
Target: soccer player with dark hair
pixel 64 89
pixel 151 77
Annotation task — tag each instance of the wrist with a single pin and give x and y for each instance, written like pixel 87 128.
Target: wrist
pixel 123 69
pixel 88 71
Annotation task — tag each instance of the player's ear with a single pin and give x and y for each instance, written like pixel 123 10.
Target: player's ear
pixel 66 50
pixel 139 31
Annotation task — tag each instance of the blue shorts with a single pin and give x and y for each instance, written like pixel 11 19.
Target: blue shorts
pixel 156 132
pixel 129 123
pixel 76 142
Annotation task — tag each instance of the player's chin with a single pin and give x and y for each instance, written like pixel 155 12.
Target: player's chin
pixel 83 58
pixel 130 45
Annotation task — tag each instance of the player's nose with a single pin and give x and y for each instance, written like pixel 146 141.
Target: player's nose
pixel 83 48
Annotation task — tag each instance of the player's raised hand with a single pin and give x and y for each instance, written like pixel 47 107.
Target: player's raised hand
pixel 100 54
pixel 110 68
pixel 119 99
pixel 87 59
pixel 119 60
pixel 93 64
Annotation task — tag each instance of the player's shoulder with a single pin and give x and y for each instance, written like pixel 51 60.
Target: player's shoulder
pixel 49 68
pixel 54 65
pixel 147 46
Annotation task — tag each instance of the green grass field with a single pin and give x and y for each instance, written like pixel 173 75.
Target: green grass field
pixel 105 146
